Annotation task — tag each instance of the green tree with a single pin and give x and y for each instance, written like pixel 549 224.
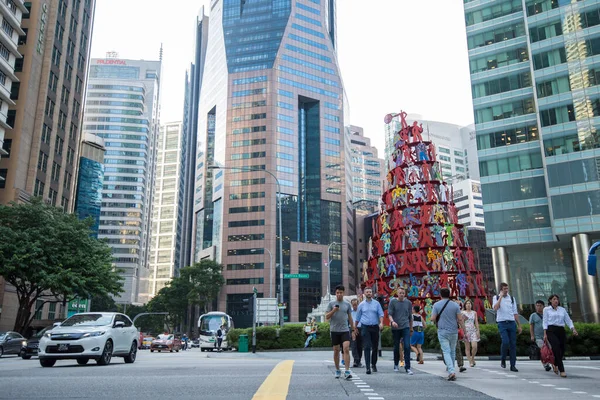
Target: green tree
pixel 103 303
pixel 45 252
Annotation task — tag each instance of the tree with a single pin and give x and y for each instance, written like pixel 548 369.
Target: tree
pixel 46 253
pixel 103 303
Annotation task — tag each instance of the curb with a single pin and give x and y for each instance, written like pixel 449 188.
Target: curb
pixel 525 358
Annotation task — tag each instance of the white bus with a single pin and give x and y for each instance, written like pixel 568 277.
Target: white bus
pixel 208 325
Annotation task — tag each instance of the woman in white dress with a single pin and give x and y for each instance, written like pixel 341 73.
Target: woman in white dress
pixel 472 331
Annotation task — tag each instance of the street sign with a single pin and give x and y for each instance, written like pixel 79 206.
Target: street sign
pixel 282 306
pixel 254 290
pixel 296 276
pixel 77 306
pixel 267 310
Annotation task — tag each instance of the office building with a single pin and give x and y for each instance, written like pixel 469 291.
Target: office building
pixel 468 202
pixel 122 107
pixel 272 101
pixel 11 13
pixel 43 120
pixel 534 74
pixel 368 171
pixel 167 206
pixel 456 146
pixel 90 179
pixel 190 147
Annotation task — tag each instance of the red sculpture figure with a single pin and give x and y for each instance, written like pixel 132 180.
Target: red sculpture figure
pixel 382 287
pixel 471 285
pixel 379 246
pixel 453 287
pixel 397 240
pixel 419 260
pixel 426 169
pixel 432 152
pixel 431 193
pixel 407 154
pixel 404 263
pixel 471 260
pixel 404 135
pixel 458 260
pixel 452 214
pixel 479 308
pixel 457 236
pixel 444 280
pixel 479 283
pixel 400 176
pixel 416 132
pixel 425 214
pixel 403 123
pixel 425 239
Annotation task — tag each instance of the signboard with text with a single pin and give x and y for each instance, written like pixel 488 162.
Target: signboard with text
pixel 77 306
pixel 267 311
pixel 296 276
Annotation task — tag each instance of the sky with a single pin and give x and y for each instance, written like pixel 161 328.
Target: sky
pixel 394 55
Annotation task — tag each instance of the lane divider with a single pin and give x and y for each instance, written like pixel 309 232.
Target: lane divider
pixel 277 384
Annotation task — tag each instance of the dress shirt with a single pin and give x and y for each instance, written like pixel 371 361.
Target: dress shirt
pixel 558 317
pixel 357 323
pixel 369 312
pixel 507 309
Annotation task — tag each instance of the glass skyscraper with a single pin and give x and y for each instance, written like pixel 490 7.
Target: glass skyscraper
pixel 90 180
pixel 535 71
pixel 122 107
pixel 271 100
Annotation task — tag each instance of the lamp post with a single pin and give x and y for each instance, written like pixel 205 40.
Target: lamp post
pixel 271 272
pixel 329 266
pixel 248 169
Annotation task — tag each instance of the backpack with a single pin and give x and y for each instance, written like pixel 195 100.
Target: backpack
pixel 512 300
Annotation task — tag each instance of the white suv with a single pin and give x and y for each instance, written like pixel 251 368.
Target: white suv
pixel 85 336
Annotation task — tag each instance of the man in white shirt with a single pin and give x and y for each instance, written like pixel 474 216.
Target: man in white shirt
pixel 507 318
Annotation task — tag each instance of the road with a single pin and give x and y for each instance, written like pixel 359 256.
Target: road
pixel 283 375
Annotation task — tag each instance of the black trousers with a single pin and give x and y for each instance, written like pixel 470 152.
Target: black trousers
pixel 357 347
pixel 558 339
pixel 370 334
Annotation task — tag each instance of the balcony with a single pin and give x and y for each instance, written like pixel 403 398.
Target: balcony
pixel 11 15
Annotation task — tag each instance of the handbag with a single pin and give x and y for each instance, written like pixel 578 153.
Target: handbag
pixel 534 352
pixel 547 354
pixel 461 334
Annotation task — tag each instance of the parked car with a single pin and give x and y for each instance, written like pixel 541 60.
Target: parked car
pixel 11 342
pixel 30 348
pixel 147 342
pixel 166 342
pixel 90 336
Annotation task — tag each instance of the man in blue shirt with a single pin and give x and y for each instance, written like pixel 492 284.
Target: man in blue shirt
pixel 370 317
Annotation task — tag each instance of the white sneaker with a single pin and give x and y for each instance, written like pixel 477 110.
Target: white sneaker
pixel 408 371
pixel 396 368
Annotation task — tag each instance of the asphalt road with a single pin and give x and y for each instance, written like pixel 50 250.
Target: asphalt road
pixel 282 375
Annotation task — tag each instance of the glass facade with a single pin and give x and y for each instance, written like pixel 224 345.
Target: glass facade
pixel 89 191
pixel 536 107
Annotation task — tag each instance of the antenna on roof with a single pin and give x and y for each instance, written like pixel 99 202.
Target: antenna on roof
pixel 160 54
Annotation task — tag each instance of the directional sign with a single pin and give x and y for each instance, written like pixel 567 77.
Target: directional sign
pixel 267 311
pixel 296 276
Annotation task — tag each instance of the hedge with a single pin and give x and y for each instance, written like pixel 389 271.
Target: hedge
pixel 292 336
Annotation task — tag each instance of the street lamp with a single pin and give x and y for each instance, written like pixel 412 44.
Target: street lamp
pixel 248 169
pixel 271 272
pixel 329 265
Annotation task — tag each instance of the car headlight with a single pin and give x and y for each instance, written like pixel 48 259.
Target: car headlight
pixel 24 343
pixel 169 342
pixel 48 335
pixel 93 334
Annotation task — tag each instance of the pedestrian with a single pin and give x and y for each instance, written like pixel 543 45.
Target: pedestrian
pixel 555 319
pixel 418 337
pixel 446 315
pixel 400 316
pixel 472 334
pixel 356 343
pixel 460 361
pixel 340 321
pixel 370 317
pixel 509 325
pixel 536 328
pixel 310 329
pixel 220 338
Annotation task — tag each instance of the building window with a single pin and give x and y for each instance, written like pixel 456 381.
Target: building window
pixel 3 173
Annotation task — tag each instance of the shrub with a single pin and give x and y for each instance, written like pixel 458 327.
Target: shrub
pixel 292 336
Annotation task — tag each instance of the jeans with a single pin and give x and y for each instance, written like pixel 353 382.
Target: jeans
pixel 508 332
pixel 448 342
pixel 310 337
pixel 357 348
pixel 370 334
pixel 404 335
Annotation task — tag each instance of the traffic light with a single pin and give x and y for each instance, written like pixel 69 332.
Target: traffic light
pixel 248 305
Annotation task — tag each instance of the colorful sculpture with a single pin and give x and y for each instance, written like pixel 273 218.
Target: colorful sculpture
pixel 417 242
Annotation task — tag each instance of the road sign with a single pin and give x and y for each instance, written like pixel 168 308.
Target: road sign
pixel 267 310
pixel 254 290
pixel 77 306
pixel 296 276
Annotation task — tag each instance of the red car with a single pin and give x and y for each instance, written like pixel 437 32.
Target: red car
pixel 141 341
pixel 166 341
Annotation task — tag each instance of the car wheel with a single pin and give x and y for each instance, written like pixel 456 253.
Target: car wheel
pixel 170 351
pixel 24 355
pixel 151 351
pixel 82 361
pixel 1 351
pixel 106 354
pixel 47 362
pixel 130 358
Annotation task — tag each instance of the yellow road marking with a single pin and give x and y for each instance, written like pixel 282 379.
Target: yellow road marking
pixel 276 386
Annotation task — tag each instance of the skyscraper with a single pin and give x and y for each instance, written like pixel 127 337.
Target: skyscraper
pixel 368 170
pixel 90 179
pixel 534 76
pixel 43 119
pixel 167 206
pixel 122 107
pixel 272 103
